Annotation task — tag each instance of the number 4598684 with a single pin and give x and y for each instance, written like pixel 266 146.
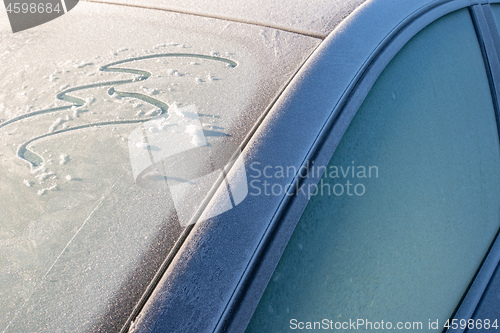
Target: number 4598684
pixel 471 324
pixel 33 8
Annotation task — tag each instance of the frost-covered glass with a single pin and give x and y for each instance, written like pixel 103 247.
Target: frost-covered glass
pixel 406 248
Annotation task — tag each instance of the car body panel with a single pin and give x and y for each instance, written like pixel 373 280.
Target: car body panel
pixel 226 261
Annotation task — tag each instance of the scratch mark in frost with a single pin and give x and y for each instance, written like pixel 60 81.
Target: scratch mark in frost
pixel 98 205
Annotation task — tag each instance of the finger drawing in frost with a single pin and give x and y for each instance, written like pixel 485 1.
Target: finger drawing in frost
pixel 79 105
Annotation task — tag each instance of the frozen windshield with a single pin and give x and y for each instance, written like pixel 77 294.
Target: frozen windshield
pixel 115 124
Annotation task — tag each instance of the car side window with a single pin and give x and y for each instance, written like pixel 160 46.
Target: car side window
pixel 419 206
